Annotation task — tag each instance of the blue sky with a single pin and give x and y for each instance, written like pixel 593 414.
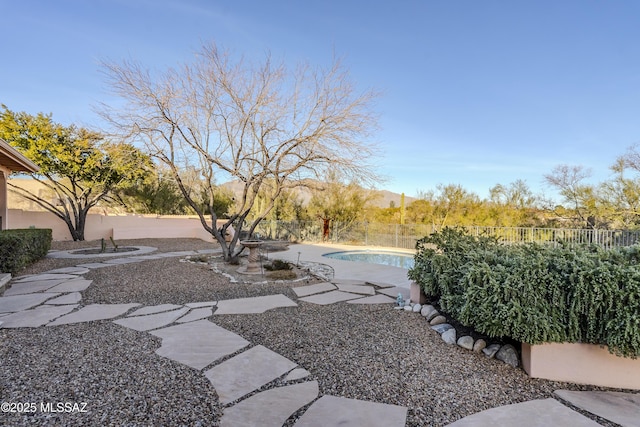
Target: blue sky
pixel 474 92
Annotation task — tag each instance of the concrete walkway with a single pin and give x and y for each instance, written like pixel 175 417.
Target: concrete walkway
pixel 188 337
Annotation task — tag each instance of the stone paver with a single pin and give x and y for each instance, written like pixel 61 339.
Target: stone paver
pixel 36 317
pixel 44 276
pixel 94 312
pixel 253 305
pixel 75 254
pixel 331 411
pixel 297 374
pixel 270 408
pixel 198 344
pixel 151 321
pixel 246 372
pixel 201 304
pixel 330 297
pixel 535 413
pixel 618 407
pixel 70 270
pixel 347 282
pixel 94 265
pixel 303 291
pixel 75 285
pixel 393 292
pixel 24 288
pixel 357 289
pixel 72 298
pixel 147 257
pixel 376 299
pixel 379 284
pixel 196 314
pixel 120 261
pixel 12 304
pixel 152 309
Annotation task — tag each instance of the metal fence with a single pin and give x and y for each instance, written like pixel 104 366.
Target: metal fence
pixel 406 236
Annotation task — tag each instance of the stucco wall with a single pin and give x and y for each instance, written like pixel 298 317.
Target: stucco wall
pixel 581 364
pixel 117 226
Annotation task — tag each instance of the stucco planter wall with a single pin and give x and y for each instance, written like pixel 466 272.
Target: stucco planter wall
pixel 580 364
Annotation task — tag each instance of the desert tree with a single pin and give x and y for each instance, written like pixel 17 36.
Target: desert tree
pixel 250 122
pixel 620 194
pixel 339 203
pixel 581 198
pixel 454 205
pixel 78 166
pixel 513 205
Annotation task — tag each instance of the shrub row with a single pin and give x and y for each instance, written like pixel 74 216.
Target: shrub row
pixel 19 248
pixel 535 293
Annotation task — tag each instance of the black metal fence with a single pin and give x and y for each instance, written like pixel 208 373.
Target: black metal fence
pixel 405 236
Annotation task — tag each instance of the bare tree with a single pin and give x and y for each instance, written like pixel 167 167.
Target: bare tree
pixel 569 181
pixel 232 120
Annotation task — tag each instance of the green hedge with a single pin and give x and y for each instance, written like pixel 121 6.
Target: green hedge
pixel 535 293
pixel 19 248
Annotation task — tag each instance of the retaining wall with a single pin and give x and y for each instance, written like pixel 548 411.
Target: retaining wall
pixel 580 364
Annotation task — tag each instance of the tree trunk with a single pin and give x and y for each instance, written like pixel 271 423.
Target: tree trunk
pixel 77 230
pixel 82 220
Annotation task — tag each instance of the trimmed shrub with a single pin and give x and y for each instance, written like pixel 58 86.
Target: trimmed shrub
pixel 533 293
pixel 277 265
pixel 22 247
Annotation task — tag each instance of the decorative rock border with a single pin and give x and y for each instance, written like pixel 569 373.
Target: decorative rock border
pixel 506 353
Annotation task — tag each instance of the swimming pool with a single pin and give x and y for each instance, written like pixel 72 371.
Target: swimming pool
pixel 394 259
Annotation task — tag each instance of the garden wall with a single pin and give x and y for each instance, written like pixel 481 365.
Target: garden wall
pixel 580 364
pixel 100 226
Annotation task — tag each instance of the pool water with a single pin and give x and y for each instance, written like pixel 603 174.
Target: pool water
pixel 394 259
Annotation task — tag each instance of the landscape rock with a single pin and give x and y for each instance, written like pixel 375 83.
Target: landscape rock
pixel 408 308
pixel 430 316
pixel 442 328
pixel 449 336
pixel 508 355
pixel 466 342
pixel 491 350
pixel 479 345
pixel 426 310
pixel 438 320
pixel 417 308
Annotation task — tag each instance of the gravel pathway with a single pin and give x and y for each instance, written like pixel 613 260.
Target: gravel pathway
pixel 368 352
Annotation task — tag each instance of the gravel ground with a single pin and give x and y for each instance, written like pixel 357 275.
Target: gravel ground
pixel 355 351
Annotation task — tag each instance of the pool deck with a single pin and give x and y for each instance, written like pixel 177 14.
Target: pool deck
pixel 348 270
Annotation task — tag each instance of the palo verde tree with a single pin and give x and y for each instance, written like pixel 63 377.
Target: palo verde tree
pixel 77 165
pixel 581 198
pixel 245 122
pixel 341 203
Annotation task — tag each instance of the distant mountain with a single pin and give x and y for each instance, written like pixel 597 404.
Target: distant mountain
pixel 383 200
pixel 390 196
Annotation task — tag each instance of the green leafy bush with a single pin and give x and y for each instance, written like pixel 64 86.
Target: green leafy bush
pixel 19 248
pixel 277 265
pixel 535 293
